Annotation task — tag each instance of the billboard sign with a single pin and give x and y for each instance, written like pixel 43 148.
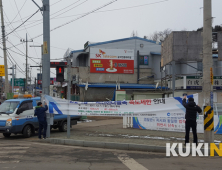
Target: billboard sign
pixel 18 82
pixel 111 61
pixel 195 82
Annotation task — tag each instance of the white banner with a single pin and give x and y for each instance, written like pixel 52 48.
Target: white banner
pixel 154 114
pixel 134 108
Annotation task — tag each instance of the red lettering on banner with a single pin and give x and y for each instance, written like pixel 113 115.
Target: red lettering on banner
pixel 160 124
pixel 180 121
pixel 113 109
pixel 138 102
pixel 94 108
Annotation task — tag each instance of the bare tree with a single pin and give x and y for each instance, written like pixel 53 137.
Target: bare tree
pixel 159 36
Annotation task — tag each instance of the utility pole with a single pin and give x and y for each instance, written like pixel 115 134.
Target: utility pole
pixel 4 51
pixel 46 55
pixel 13 77
pixel 15 71
pixel 26 61
pixel 207 62
pixel 68 93
pixel 30 77
pixel 35 87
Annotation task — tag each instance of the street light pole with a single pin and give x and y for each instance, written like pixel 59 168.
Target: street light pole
pixel 68 93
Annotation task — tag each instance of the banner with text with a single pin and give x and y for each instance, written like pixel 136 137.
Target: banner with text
pixel 155 114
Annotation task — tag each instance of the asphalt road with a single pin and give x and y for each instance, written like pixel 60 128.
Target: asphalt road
pixel 25 154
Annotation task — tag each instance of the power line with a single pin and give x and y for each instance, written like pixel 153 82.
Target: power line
pixel 40 20
pixel 96 12
pixel 118 9
pixel 15 62
pixel 29 57
pixel 79 17
pixel 22 23
pixel 12 26
pixel 71 8
pixel 20 51
pixel 17 14
pixel 65 7
pixel 29 15
pixel 56 2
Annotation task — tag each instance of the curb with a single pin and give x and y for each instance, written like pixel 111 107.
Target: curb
pixel 106 145
pixel 113 145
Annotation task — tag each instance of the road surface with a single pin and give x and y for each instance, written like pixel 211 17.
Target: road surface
pixel 23 154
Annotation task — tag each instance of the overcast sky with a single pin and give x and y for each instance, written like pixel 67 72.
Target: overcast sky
pixel 112 22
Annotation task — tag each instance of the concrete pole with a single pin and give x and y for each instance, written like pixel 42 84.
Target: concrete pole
pixel 26 65
pixel 4 50
pixel 207 61
pixel 13 77
pixel 35 87
pixel 68 92
pixel 46 55
pixel 173 76
pixel 15 70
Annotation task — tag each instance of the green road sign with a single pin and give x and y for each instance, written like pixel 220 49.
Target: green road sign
pixel 18 82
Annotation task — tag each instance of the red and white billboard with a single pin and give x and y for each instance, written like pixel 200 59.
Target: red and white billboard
pixel 111 61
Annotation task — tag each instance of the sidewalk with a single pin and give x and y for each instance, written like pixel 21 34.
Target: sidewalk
pixel 111 130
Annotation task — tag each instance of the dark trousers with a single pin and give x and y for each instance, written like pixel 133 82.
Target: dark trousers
pixel 191 124
pixel 42 125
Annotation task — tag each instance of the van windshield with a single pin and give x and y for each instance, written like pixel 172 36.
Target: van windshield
pixel 8 107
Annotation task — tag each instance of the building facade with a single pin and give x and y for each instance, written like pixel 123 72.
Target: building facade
pixel 124 62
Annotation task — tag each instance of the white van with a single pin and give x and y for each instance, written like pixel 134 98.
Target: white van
pixel 17 117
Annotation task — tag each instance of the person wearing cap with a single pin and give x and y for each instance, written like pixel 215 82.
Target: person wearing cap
pixel 41 115
pixel 191 116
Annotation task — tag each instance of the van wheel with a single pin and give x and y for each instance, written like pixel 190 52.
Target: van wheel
pixel 63 127
pixel 6 135
pixel 27 132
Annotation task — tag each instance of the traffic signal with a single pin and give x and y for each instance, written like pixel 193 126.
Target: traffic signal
pixel 59 74
pixel 211 76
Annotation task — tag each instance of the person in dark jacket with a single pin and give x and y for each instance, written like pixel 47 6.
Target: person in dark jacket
pixel 41 115
pixel 191 116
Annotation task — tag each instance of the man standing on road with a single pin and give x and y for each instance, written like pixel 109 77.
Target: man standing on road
pixel 191 116
pixel 40 113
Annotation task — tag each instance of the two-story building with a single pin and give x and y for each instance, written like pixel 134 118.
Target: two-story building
pixel 129 64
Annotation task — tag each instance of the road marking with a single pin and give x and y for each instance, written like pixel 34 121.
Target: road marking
pixel 13 156
pixel 130 162
pixel 16 151
pixel 4 148
pixel 5 162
